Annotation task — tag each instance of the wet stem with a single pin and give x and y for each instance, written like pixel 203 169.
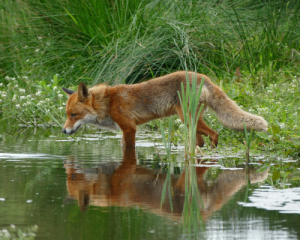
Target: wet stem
pixel 248 137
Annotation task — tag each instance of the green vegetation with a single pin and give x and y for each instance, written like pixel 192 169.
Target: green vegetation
pixel 119 40
pixel 189 100
pixel 249 48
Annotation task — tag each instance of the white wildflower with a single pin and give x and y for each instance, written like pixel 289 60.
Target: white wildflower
pixel 22 90
pixel 181 126
pixel 60 95
pixel 25 47
pixel 38 93
pixel 55 87
pixel 40 38
pixel 48 43
pixel 282 125
pixel 22 97
pixel 0 100
pixel 27 60
pixel 6 233
pixel 16 86
pixel 4 95
pixel 18 106
pixel 47 100
pixel 13 79
pixel 1 84
pixel 25 77
pixel 37 50
pixel 177 121
pixel 61 108
pixel 7 78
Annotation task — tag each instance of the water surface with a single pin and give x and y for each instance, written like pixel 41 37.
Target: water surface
pixel 54 187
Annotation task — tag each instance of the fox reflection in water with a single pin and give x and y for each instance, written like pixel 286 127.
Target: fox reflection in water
pixel 127 184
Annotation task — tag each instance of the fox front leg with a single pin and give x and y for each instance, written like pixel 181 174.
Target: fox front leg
pixel 128 139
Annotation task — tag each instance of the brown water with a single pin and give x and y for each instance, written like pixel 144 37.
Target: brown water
pixel 54 187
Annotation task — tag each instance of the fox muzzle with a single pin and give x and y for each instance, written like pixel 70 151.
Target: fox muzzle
pixel 69 131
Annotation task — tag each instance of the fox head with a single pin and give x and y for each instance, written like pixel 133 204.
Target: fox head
pixel 79 109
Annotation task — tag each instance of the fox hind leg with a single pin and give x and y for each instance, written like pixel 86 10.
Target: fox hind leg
pixel 199 140
pixel 202 129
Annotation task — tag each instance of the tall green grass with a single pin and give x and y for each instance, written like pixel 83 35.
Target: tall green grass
pixel 189 100
pixel 130 40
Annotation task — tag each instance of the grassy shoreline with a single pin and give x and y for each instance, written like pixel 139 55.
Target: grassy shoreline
pixel 251 49
pixel 41 104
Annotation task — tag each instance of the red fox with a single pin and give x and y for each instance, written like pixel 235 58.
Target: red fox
pixel 126 106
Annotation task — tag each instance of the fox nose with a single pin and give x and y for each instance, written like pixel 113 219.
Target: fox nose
pixel 64 130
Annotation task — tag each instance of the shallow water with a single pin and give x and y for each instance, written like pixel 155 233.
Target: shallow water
pixel 54 187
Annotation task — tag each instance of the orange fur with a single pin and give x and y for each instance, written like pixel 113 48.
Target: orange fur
pixel 126 106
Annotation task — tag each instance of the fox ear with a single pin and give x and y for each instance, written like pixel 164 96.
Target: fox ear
pixel 68 91
pixel 82 92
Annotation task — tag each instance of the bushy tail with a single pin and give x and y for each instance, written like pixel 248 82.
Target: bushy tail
pixel 228 112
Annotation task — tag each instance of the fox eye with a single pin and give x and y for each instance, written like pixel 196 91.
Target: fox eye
pixel 73 115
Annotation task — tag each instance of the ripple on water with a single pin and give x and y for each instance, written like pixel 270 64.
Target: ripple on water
pixel 270 198
pixel 18 156
pixel 14 157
